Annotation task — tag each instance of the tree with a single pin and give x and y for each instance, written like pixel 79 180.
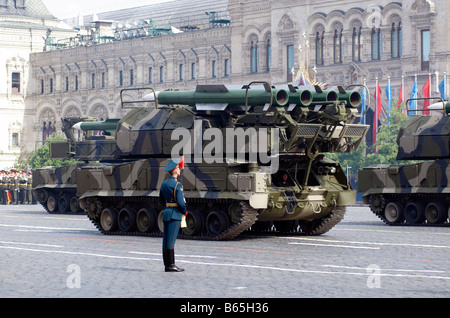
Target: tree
pixel 41 157
pixel 387 140
pixel 386 144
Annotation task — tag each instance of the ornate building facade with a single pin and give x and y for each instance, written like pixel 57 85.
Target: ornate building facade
pixel 24 25
pixel 338 43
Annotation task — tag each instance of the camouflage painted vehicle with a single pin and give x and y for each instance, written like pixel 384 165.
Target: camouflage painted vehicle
pixel 304 192
pixel 55 187
pixel 416 193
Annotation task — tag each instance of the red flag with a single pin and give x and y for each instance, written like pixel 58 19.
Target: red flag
pixel 377 113
pixel 400 96
pixel 426 94
pixel 9 196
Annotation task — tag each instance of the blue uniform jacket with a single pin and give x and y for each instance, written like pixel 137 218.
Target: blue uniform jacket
pixel 166 195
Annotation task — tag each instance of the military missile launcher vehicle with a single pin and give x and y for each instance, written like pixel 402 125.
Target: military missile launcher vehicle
pixel 416 193
pixel 55 187
pixel 254 159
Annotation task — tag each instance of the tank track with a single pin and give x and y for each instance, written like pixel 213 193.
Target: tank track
pixel 43 203
pixel 377 208
pixel 328 222
pixel 302 227
pixel 247 219
pixel 59 212
pixel 404 223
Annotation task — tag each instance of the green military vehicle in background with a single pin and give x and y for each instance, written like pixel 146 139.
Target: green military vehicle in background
pixel 55 188
pixel 304 193
pixel 415 193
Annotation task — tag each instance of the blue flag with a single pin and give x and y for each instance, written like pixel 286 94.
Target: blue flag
pixel 389 98
pixel 443 88
pixel 388 94
pixel 413 103
pixel 363 105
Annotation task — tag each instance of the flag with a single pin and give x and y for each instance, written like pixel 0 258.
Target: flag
pixel 389 97
pixel 9 196
pixel 388 94
pixel 413 103
pixel 400 96
pixel 443 88
pixel 426 94
pixel 377 113
pixel 363 104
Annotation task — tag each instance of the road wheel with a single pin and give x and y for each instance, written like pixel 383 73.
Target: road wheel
pixel 74 206
pixel 127 219
pixel 216 222
pixel 52 204
pixel 194 223
pixel 436 213
pixel 415 213
pixel 63 204
pixel 393 212
pixel 146 220
pixel 108 219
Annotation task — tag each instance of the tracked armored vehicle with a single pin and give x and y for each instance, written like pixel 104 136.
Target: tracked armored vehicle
pixel 416 193
pixel 254 160
pixel 55 187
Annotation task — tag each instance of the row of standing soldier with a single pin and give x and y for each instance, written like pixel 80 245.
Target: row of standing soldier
pixel 16 187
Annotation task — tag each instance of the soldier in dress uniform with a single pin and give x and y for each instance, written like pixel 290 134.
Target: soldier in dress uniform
pixel 171 196
pixel 14 185
pixel 22 195
pixel 3 186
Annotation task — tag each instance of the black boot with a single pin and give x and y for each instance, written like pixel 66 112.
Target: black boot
pixel 170 265
pixel 166 257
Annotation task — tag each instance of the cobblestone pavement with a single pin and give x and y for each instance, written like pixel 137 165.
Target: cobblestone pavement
pixel 45 255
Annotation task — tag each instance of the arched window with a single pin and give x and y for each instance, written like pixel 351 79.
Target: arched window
pixel 44 131
pixel 254 57
pixel 193 71
pixel 161 74
pixel 181 71
pixel 356 44
pixel 376 44
pixel 226 71
pixel 213 69
pixel 396 40
pixel 337 46
pixel 47 131
pixel 319 48
pixel 269 55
